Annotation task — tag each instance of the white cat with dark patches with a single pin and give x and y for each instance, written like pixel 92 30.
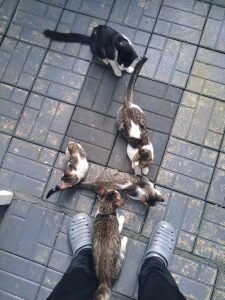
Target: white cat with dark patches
pixel 77 168
pixel 130 122
pixel 106 43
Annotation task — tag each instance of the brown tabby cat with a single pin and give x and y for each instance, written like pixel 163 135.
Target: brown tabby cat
pixel 130 122
pixel 108 248
pixel 77 168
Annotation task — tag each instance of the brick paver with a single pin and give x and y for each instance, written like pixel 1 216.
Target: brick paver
pixel 52 93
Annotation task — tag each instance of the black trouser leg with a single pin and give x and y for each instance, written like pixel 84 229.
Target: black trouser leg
pixel 156 282
pixel 79 282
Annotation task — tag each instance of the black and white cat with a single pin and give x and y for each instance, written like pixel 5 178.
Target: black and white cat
pixel 130 122
pixel 106 43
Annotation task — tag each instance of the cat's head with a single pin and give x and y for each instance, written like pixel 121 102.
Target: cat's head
pixel 110 199
pixel 143 158
pixel 126 53
pixel 72 148
pixel 68 180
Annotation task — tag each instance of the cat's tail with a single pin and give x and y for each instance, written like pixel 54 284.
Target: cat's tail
pixel 103 292
pixel 67 37
pixel 130 87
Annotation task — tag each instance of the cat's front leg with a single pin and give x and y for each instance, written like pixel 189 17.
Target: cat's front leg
pixel 115 68
pixel 123 247
pixel 121 220
pixel 105 60
pixel 129 70
pixel 145 171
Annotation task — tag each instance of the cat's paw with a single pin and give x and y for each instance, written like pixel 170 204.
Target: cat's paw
pixel 105 60
pixel 130 70
pixel 145 171
pixel 124 241
pixel 118 73
pixel 137 171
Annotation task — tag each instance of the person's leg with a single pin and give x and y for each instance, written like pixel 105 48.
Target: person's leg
pixel 79 281
pixel 155 281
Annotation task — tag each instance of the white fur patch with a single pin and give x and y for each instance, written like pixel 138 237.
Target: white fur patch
pixel 136 106
pixel 135 130
pixel 131 152
pixel 124 186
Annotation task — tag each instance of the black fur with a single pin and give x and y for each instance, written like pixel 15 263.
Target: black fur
pixel 104 43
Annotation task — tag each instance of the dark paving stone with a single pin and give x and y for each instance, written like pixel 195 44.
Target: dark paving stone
pixel 95 8
pixel 75 22
pixel 222 148
pixel 200 120
pixel 214 32
pixel 207 75
pixel 189 21
pixel 19 62
pixel 48 120
pixel 137 14
pixel 7 8
pixel 169 61
pixel 4 140
pixel 138 38
pixel 210 243
pixel 11 106
pixel 31 19
pixel 32 236
pixel 187 168
pixel 26 167
pixel 216 191
pixel 184 212
pixel 60 78
pixel 195 279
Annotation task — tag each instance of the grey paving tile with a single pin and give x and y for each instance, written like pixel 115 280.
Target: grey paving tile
pixel 210 243
pixel 214 32
pixel 11 106
pixel 133 259
pixel 79 23
pixel 97 8
pixel 216 191
pixel 222 148
pixel 60 78
pixel 200 120
pixel 189 21
pixel 219 292
pixel 60 3
pixel 43 293
pixel 184 212
pixel 27 167
pixel 5 140
pixel 217 2
pixel 207 74
pixel 48 120
pixel 169 60
pixel 187 168
pixel 51 278
pixel 18 286
pixel 31 19
pixel 7 9
pixel 31 237
pixel 19 62
pixel 138 38
pixel 137 14
pixel 195 279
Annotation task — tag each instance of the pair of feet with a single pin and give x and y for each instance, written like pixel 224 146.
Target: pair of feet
pixel 161 244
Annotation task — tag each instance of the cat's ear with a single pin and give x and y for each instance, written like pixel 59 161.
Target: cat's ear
pixel 101 191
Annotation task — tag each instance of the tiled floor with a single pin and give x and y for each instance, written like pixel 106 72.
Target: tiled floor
pixel 51 93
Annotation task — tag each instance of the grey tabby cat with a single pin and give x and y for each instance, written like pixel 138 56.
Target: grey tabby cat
pixel 108 247
pixel 130 122
pixel 135 187
pixel 77 168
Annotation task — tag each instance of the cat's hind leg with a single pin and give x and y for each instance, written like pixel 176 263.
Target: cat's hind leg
pixel 145 171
